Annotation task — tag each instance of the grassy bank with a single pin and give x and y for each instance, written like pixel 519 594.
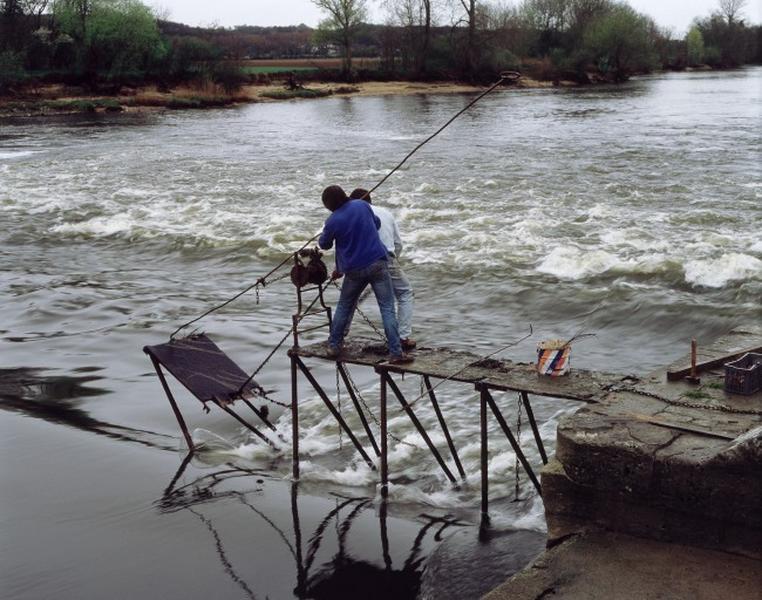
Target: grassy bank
pixel 48 99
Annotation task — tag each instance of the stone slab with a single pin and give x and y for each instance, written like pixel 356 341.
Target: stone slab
pixel 611 566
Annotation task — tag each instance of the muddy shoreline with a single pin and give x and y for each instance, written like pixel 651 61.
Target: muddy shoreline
pixel 55 99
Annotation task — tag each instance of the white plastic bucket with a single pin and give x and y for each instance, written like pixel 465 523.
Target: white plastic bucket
pixel 553 358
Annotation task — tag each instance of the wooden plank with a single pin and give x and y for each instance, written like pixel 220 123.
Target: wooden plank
pixel 718 361
pixel 680 426
pixel 465 367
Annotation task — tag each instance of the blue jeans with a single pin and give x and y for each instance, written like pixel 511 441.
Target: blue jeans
pixel 377 275
pixel 404 294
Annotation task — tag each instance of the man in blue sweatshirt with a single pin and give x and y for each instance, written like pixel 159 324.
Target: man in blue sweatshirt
pixel 362 259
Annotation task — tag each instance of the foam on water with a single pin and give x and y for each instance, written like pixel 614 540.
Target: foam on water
pixel 570 262
pixel 499 230
pixel 718 272
pixel 5 154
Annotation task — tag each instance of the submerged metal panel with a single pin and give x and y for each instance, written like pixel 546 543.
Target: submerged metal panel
pixel 205 370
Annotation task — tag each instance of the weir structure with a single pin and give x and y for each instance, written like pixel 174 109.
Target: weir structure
pixel 660 408
pixel 440 364
pixel 485 376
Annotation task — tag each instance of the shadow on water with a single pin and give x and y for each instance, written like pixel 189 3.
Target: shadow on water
pixel 55 398
pixel 343 575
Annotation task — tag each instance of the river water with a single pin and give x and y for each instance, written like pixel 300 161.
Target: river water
pixel 630 212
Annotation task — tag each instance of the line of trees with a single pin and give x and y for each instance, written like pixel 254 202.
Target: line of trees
pixel 97 41
pixel 93 41
pixel 473 39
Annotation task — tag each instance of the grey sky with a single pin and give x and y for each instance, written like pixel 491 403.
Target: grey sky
pixel 676 14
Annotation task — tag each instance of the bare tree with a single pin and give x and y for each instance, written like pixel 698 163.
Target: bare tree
pixel 470 6
pixel 36 8
pixel 343 18
pixel 731 8
pixel 416 17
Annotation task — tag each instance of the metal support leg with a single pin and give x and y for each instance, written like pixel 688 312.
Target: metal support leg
pixel 245 423
pixel 443 425
pixel 484 441
pixel 418 425
pixel 311 378
pixel 260 414
pixel 535 431
pixel 360 412
pixel 384 443
pixel 301 575
pixel 382 511
pixel 294 422
pixel 512 440
pixel 175 409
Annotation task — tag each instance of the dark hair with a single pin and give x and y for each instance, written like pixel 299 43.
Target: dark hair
pixel 360 194
pixel 334 197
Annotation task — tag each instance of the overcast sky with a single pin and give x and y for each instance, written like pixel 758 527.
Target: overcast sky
pixel 676 14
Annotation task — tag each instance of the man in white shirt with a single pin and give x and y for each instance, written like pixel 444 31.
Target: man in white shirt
pixel 390 237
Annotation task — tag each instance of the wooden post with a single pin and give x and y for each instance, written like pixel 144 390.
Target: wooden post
pixel 693 377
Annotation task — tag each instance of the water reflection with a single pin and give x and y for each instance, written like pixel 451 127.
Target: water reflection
pixel 343 575
pixel 56 399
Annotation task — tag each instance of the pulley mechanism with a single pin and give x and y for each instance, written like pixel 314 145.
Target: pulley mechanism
pixel 308 268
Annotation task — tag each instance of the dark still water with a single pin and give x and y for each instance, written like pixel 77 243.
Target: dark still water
pixel 631 212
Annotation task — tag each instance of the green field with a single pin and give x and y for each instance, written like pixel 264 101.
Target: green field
pixel 272 69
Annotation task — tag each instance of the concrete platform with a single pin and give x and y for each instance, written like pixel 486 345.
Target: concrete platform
pixel 655 492
pixel 667 461
pixel 613 566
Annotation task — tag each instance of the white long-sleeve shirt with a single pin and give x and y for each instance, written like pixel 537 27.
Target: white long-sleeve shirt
pixel 389 232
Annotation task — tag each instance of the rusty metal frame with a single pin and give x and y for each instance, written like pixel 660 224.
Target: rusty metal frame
pixel 533 424
pixel 301 314
pixel 350 388
pixel 181 420
pixel 443 425
pixel 487 404
pixel 416 423
pixel 297 362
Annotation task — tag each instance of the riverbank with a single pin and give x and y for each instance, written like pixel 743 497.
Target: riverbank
pixel 59 99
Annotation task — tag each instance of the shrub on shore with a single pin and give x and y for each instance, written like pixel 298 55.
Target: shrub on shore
pixel 298 93
pixel 11 70
pixel 84 105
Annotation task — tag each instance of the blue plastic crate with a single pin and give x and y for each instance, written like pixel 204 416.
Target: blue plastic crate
pixel 744 376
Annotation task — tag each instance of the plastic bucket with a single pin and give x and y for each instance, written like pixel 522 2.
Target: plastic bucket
pixel 553 358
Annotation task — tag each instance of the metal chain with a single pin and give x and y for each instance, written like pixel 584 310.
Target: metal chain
pixel 283 404
pixel 686 404
pixel 370 412
pixel 372 325
pixel 362 314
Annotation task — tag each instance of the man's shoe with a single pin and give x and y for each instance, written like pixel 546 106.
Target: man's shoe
pixel 402 359
pixel 408 344
pixel 333 352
